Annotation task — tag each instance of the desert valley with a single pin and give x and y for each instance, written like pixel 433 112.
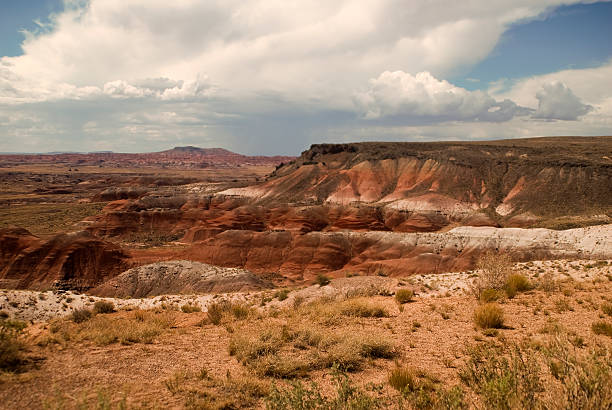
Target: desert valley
pixel 354 276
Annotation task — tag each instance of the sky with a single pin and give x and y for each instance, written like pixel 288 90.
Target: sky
pixel 273 77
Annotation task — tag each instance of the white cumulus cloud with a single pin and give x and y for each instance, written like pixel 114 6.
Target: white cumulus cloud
pixel 400 94
pixel 262 75
pixel 557 102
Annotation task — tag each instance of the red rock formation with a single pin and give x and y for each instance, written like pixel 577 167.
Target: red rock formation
pixel 300 257
pixel 69 261
pixel 542 177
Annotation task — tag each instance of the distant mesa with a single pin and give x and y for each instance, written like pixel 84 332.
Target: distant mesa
pixel 177 157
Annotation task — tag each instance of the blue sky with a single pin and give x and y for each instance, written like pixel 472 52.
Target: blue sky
pixel 272 78
pixel 577 36
pixel 18 15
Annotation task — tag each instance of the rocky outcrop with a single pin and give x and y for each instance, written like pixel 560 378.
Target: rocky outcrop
pixel 543 177
pixel 300 257
pixel 180 277
pixel 68 261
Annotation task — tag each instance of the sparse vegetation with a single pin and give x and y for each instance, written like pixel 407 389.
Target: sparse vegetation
pixel 81 315
pixel 516 283
pixel 404 296
pixel 602 328
pixel 217 311
pixel 494 270
pixel 11 347
pixel 299 397
pixel 362 308
pixel 270 350
pixel 135 327
pixel 322 280
pixel 190 308
pixel 103 306
pixel 607 308
pixel 505 378
pixel 282 294
pixel 489 316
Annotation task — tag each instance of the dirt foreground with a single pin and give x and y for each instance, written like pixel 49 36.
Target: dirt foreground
pixel 164 352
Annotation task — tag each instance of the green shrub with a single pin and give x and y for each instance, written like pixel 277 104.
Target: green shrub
pixel 489 316
pixel 404 295
pixel 322 279
pixel 103 306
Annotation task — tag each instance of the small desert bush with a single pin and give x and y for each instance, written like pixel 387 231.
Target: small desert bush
pixel 490 295
pixel 191 308
pixel 103 306
pixel 548 283
pixel 135 327
pixel 81 315
pixel 404 296
pixel 602 328
pixel 403 379
pixel 217 311
pixel 362 308
pixel 282 294
pixel 489 316
pixel 494 270
pixel 516 283
pixel 607 308
pixel 322 279
pixel 11 347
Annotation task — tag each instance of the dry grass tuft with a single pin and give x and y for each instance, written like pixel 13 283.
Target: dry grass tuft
pixel 404 296
pixel 516 283
pixel 103 306
pixel 81 315
pixel 191 308
pixel 217 312
pixel 602 328
pixel 362 308
pixel 11 347
pixel 607 308
pixel 489 316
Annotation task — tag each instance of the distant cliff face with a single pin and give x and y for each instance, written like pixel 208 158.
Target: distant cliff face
pixel 524 178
